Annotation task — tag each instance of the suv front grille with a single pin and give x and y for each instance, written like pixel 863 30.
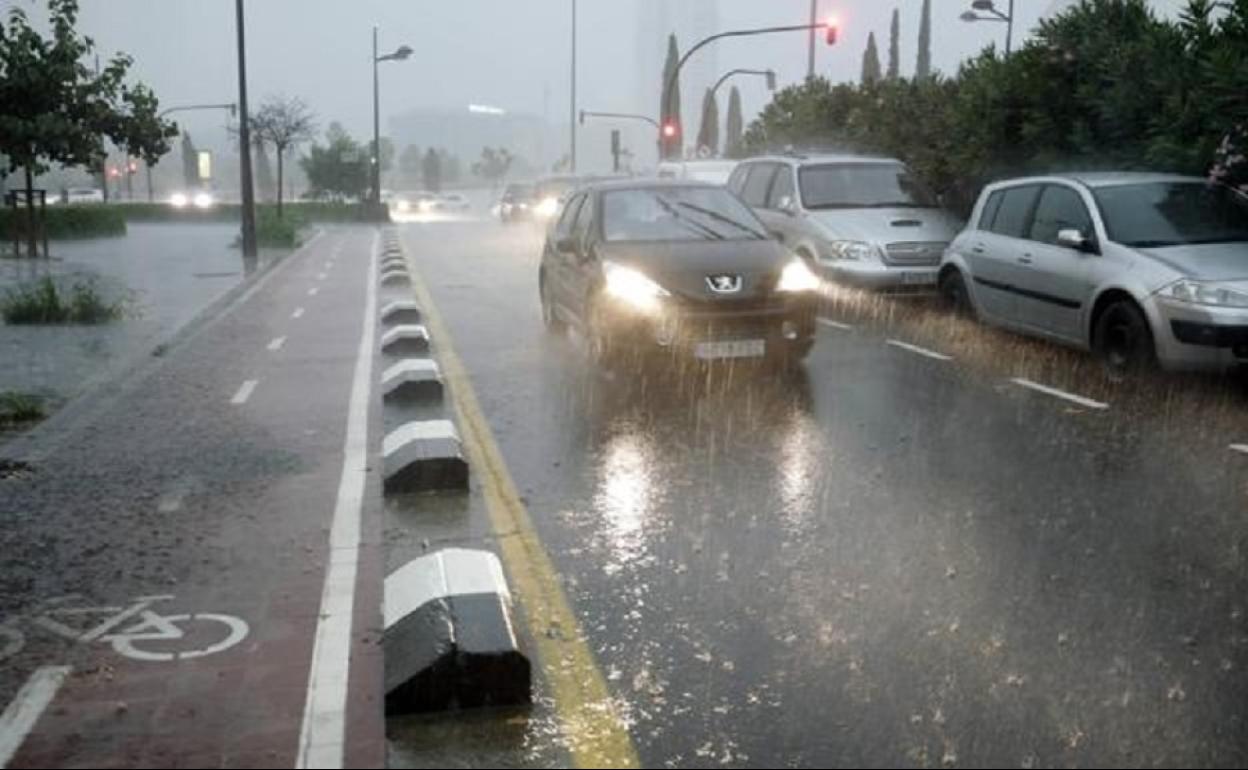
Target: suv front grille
pixel 914 253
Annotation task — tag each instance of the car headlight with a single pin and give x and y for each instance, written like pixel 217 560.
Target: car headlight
pixel 548 207
pixel 401 205
pixel 851 250
pixel 796 276
pixel 1198 293
pixel 627 284
pixel 203 200
pixel 178 200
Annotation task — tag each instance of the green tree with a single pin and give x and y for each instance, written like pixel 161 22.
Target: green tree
pixel 340 168
pixel 669 101
pixel 923 64
pixel 431 169
pixel 871 62
pixel 734 127
pixel 57 111
pixel 493 165
pixel 284 123
pixel 894 46
pixel 708 132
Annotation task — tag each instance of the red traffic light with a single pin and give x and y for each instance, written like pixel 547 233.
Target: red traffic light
pixel 830 31
pixel 113 172
pixel 133 167
pixel 669 130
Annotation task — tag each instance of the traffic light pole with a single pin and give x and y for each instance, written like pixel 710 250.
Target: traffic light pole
pixel 244 141
pixel 769 74
pixel 671 80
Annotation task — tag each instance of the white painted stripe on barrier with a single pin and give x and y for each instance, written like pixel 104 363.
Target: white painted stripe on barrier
pixel 244 392
pixel 1072 397
pixel 921 351
pixel 1241 448
pixel 323 735
pixel 834 324
pixel 28 705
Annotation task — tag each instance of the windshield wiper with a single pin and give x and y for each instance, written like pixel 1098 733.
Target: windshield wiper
pixel 696 226
pixel 1156 244
pixel 721 218
pixel 899 205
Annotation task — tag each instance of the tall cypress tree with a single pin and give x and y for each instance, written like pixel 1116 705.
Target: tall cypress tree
pixel 871 62
pixel 735 126
pixel 708 132
pixel 671 147
pixel 923 65
pixel 894 47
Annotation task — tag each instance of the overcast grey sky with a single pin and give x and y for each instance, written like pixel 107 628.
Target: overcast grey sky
pixel 509 53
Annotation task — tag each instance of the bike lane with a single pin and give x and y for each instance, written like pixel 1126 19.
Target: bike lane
pixel 212 484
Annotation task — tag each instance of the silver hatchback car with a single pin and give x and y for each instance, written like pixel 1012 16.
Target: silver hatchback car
pixel 860 221
pixel 1139 268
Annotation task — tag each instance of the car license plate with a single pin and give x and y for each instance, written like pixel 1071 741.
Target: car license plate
pixel 918 279
pixel 730 349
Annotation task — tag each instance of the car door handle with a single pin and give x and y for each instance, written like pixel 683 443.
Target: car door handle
pixel 1025 259
pixel 977 249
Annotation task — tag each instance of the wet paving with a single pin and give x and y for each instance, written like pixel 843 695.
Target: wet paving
pixel 884 559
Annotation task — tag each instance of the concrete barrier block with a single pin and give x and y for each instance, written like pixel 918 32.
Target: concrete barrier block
pixel 423 456
pixel 395 278
pixel 412 378
pixel 401 312
pixel 405 340
pixel 449 625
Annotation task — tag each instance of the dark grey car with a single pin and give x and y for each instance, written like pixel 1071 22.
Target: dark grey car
pixel 674 267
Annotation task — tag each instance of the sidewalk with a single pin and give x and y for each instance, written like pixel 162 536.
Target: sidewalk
pixel 214 480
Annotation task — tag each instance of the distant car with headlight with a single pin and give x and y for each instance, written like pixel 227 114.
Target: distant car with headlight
pixel 1139 268
pixel 678 268
pixel 200 199
pixel 84 195
pixel 451 202
pixel 517 202
pixel 550 194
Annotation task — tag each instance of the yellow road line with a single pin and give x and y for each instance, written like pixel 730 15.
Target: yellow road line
pixel 589 718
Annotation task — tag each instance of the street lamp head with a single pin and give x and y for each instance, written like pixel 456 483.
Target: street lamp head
pixel 405 51
pixel 969 16
pixel 771 80
pixel 983 5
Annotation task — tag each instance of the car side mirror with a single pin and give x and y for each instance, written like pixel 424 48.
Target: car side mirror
pixel 787 205
pixel 1074 239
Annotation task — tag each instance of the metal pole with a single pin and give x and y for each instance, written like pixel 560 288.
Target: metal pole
pixel 810 63
pixel 244 140
pixel 572 111
pixel 1009 29
pixel 376 157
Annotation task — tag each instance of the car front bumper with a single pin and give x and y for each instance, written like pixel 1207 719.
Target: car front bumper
pixel 877 276
pixel 684 332
pixel 1198 337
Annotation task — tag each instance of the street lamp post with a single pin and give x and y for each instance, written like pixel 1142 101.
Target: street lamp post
pixel 244 139
pixel 670 131
pixel 769 74
pixel 400 54
pixel 989 8
pixel 233 108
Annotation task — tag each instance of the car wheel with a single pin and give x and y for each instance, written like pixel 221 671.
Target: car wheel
pixel 954 294
pixel 550 318
pixel 1123 340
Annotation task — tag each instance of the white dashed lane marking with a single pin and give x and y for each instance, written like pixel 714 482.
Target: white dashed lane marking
pixel 244 392
pixel 1071 397
pixel 277 343
pixel 834 324
pixel 320 276
pixel 28 705
pixel 298 313
pixel 312 292
pixel 1241 448
pixel 920 351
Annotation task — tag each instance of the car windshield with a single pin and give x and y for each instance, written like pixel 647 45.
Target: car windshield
pixel 677 214
pixel 862 185
pixel 1159 214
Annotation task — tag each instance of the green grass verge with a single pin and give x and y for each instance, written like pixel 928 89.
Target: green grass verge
pixel 17 408
pixel 43 302
pixel 66 222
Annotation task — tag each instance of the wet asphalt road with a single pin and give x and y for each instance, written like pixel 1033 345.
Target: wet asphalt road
pixel 883 560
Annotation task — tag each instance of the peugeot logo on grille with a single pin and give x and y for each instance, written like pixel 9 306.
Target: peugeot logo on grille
pixel 724 284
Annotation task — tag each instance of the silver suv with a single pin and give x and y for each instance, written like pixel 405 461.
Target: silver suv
pixel 1137 267
pixel 861 221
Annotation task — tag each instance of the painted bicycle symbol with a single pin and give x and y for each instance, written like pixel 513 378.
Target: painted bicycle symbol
pixel 135 631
